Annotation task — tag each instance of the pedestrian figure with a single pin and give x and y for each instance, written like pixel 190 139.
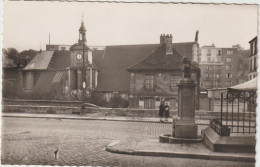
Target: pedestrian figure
pixel 161 110
pixel 167 111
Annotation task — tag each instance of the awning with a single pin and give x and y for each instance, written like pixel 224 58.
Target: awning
pixel 246 86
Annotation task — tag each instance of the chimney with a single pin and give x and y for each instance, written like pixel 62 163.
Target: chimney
pixel 197 36
pixel 167 39
pixel 162 39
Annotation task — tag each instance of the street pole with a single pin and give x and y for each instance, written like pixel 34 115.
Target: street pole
pixel 84 80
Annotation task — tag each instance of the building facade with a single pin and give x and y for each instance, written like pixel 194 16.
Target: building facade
pixel 230 71
pixel 253 59
pixel 155 78
pixel 218 67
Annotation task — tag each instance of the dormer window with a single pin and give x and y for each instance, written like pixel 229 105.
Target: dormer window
pixel 168 49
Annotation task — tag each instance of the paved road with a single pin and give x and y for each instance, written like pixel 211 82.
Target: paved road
pixel 80 142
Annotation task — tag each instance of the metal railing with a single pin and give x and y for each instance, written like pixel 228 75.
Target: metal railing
pixel 238 111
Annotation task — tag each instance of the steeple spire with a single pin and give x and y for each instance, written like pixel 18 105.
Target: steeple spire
pixel 82 31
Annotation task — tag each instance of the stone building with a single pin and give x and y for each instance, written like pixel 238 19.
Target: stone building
pixel 58 73
pixel 253 59
pixel 218 67
pixel 155 78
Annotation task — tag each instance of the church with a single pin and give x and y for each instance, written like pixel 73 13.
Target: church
pixel 143 74
pixel 58 74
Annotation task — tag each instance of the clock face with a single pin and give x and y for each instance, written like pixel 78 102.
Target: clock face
pixel 79 56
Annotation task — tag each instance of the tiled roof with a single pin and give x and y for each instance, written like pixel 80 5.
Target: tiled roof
pixel 60 60
pixel 114 61
pixel 51 60
pixel 159 60
pixel 40 61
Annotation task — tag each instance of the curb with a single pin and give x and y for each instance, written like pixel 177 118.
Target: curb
pixel 182 155
pixel 89 118
pixel 84 118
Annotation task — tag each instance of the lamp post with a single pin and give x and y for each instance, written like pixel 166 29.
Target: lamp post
pixel 84 80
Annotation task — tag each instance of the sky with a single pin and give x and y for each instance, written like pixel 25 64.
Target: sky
pixel 27 25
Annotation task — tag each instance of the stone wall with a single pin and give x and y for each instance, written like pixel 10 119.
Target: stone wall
pixel 206 115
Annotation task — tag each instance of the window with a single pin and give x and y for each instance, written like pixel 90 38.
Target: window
pixel 168 49
pixel 228 83
pixel 217 67
pixel 229 59
pixel 219 59
pixel 208 76
pixel 229 52
pixel 217 75
pixel 219 52
pixel 253 48
pixel 149 82
pixel 229 75
pixel 252 64
pixel 208 68
pixel 208 59
pixel 149 103
pixel 63 48
pixel 229 67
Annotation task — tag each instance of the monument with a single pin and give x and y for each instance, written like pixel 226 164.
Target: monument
pixel 185 129
pixel 185 126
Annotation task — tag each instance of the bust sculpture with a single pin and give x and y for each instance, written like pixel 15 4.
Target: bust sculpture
pixel 186 67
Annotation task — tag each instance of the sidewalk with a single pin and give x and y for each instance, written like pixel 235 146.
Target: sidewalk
pixel 152 147
pixel 96 116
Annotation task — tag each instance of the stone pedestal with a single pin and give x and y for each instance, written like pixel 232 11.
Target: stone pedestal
pixel 185 126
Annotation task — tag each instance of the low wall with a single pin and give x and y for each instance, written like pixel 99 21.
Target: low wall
pixel 41 102
pixel 199 114
pixel 71 110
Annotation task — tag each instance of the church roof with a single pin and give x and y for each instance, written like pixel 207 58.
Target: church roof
pixel 49 60
pixel 40 61
pixel 114 61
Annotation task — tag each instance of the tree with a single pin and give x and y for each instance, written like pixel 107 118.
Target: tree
pixel 242 60
pixel 26 56
pixel 11 53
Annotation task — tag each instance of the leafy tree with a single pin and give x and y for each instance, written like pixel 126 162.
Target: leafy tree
pixel 242 60
pixel 11 53
pixel 20 59
pixel 26 56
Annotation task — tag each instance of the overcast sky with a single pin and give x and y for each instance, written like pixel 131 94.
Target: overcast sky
pixel 26 25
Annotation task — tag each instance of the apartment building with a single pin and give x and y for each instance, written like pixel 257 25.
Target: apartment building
pixel 218 67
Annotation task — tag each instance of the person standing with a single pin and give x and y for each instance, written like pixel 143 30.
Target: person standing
pixel 161 110
pixel 167 111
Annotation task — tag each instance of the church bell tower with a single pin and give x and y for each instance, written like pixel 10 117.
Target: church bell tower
pixel 82 33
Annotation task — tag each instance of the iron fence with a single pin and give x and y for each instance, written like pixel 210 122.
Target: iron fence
pixel 238 111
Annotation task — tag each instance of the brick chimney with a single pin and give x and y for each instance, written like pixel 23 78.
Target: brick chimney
pixel 167 39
